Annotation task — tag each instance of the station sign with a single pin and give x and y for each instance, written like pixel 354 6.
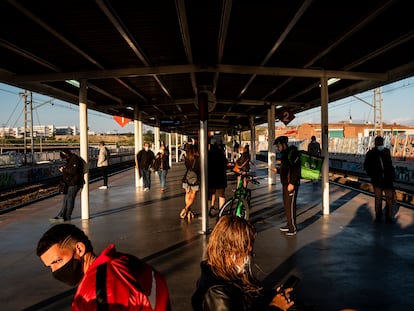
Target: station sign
pixel 169 122
pixel 286 116
pixel 122 121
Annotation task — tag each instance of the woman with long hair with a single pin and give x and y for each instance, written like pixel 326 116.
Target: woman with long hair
pixel 227 281
pixel 192 162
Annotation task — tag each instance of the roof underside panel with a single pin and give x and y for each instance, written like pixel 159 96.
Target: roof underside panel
pixel 155 56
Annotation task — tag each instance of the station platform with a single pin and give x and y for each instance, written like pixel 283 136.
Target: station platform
pixel 344 259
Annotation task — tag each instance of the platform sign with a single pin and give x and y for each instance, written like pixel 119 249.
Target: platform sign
pixel 286 116
pixel 169 122
pixel 122 121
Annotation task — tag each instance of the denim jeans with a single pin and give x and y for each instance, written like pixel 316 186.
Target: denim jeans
pixel 163 176
pixel 146 178
pixel 69 202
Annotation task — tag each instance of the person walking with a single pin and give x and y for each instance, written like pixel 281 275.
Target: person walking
pixel 314 148
pixel 243 162
pixel 217 177
pixel 110 281
pixel 379 167
pixel 192 162
pixel 226 282
pixel 144 161
pixel 73 181
pixel 102 164
pixel 161 166
pixel 289 170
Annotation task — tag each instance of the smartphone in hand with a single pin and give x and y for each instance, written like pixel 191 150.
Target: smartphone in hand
pixel 291 282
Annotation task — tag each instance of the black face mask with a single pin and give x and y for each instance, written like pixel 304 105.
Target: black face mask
pixel 70 273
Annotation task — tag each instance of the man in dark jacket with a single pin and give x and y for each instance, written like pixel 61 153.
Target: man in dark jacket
pixel 144 160
pixel 289 171
pixel 73 181
pixel 378 165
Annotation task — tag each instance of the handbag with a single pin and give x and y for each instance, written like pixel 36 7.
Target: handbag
pixel 191 177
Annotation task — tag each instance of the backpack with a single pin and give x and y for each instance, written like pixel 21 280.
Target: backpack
pixel 191 176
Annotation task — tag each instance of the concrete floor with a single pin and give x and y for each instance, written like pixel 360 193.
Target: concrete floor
pixel 344 260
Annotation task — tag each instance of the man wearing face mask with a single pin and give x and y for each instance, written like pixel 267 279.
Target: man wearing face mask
pixel 110 281
pixel 378 165
pixel 144 161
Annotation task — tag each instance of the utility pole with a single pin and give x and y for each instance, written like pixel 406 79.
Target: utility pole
pixel 28 123
pixel 378 129
pixel 378 111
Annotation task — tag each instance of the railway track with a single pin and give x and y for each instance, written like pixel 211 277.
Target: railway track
pixel 14 198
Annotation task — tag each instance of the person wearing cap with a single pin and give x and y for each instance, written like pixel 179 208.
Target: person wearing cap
pixel 74 181
pixel 289 170
pixel 378 165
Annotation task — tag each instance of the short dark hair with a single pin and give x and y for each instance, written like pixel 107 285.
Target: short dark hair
pixel 281 140
pixel 60 234
pixel 379 141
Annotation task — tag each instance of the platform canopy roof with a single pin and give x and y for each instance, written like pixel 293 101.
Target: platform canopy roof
pixel 156 56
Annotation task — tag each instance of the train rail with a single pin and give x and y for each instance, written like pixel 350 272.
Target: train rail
pixel 24 195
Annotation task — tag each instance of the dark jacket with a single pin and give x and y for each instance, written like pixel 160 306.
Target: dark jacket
pixel 73 171
pixel 244 160
pixel 378 165
pixel 290 166
pixel 161 162
pixel 217 168
pixel 213 293
pixel 145 158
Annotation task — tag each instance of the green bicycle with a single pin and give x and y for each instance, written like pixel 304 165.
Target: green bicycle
pixel 239 203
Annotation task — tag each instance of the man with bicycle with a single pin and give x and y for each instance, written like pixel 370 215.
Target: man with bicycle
pixel 289 170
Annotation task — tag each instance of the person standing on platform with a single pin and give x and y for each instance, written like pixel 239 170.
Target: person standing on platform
pixel 314 148
pixel 161 166
pixel 73 181
pixel 192 162
pixel 110 281
pixel 289 170
pixel 378 165
pixel 217 176
pixel 144 161
pixel 103 162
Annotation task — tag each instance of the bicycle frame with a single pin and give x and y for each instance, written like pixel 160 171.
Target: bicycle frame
pixel 239 203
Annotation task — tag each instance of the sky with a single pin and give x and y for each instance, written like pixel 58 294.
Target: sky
pixel 397 107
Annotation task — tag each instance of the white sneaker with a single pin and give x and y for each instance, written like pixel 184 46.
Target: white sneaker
pixel 146 189
pixel 103 187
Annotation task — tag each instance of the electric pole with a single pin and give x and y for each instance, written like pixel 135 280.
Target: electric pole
pixel 28 124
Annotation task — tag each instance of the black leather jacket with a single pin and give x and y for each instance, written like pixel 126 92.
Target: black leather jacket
pixel 213 293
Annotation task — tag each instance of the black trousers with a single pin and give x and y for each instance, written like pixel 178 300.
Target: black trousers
pixel 289 204
pixel 104 170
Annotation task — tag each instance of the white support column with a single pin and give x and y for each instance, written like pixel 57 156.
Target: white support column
pixel 203 140
pixel 138 144
pixel 169 148
pixel 252 140
pixel 156 139
pixel 324 147
pixel 176 148
pixel 271 157
pixel 84 154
